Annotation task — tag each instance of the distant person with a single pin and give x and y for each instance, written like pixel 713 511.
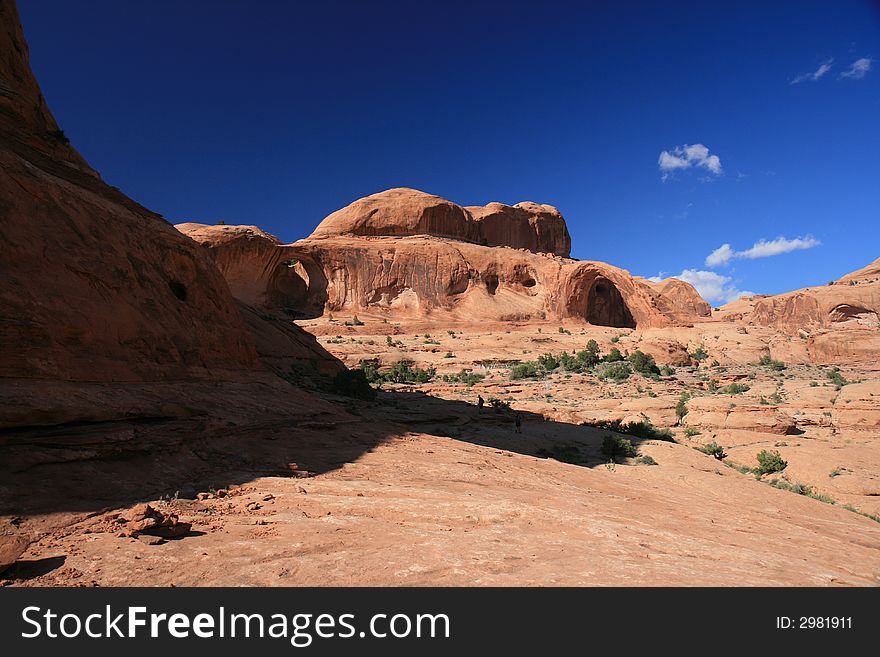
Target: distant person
pixel 517 422
pixel 480 402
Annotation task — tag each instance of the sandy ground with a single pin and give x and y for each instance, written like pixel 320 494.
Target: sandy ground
pixel 421 488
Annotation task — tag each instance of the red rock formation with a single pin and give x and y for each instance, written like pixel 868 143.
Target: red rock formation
pixel 403 212
pixel 531 226
pixel 417 276
pixel 683 296
pixel 839 321
pixel 95 288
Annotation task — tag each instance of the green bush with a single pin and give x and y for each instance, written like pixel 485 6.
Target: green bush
pixel 527 370
pixel 642 429
pixel 766 361
pixel 613 356
pixel 548 362
pixel 836 377
pixel 643 363
pixel 589 357
pixel 735 389
pixel 713 449
pixel 499 404
pixel 645 460
pixel 465 376
pixel 700 353
pixel 770 462
pixel 667 370
pixel 614 447
pixel 617 371
pixel 353 383
pixel 681 408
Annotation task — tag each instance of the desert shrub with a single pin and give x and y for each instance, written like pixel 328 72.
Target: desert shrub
pixel 770 462
pixel 354 322
pixel 667 370
pixel 527 370
pixel 735 389
pixel 614 447
pixel 615 339
pixel 836 377
pixel 645 460
pixel 617 371
pixel 642 429
pixel 353 383
pixel 700 353
pixel 465 376
pixel 713 449
pixel 589 357
pixel 401 372
pixel 548 362
pixel 499 404
pixel 59 136
pixel 449 354
pixel 643 363
pixel 613 356
pixel 371 371
pixel 645 429
pixel 766 361
pixel 681 408
pixel 221 223
pixel 690 432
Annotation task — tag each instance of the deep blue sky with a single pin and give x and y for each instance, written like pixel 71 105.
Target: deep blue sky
pixel 278 113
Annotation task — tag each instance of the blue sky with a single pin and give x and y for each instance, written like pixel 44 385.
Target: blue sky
pixel 278 113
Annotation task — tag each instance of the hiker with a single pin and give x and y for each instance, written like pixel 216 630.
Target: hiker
pixel 517 422
pixel 480 402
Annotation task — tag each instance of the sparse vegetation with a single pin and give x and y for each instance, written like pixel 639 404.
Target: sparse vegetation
pixel 401 372
pixel 836 378
pixel 681 408
pixel 770 462
pixel 499 404
pixel 617 371
pixel 776 365
pixel 467 377
pixel 735 389
pixel 354 321
pixel 642 429
pixel 614 447
pixel 644 364
pixel 713 449
pixel 700 354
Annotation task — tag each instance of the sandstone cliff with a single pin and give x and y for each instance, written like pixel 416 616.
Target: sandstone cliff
pixel 94 288
pixel 409 254
pixel 404 212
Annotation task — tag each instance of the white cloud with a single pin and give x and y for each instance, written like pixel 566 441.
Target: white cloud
pixel 712 286
pixel 824 67
pixel 720 256
pixel 687 156
pixel 858 69
pixel 760 249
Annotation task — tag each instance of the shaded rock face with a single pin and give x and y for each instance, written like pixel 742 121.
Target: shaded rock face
pixel 404 212
pixel 94 286
pixel 95 289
